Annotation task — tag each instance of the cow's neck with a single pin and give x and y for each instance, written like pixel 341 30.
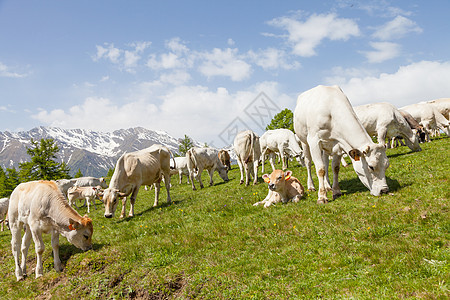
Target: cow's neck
pixel 60 213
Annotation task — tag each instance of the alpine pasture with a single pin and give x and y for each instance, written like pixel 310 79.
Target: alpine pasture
pixel 214 244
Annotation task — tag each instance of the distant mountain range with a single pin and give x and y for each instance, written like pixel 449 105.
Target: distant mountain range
pixel 94 153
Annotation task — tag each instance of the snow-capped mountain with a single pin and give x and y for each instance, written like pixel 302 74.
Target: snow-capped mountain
pixel 94 153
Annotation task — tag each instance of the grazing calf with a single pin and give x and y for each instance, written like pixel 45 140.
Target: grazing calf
pixel 248 151
pixel 283 187
pixel 4 203
pixel 86 193
pixel 40 207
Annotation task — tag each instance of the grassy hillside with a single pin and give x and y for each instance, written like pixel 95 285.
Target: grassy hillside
pixel 213 244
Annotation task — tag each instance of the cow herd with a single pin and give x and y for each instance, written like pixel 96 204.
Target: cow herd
pixel 325 125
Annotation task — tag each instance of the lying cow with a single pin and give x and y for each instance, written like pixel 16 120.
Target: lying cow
pixel 248 151
pixel 383 120
pixel 225 159
pixel 283 187
pixel 143 167
pixel 86 193
pixel 281 141
pixel 199 159
pixel 326 124
pixel 180 168
pixel 40 207
pixel 4 203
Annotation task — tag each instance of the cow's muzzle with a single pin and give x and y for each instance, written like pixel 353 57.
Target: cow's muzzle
pixel 108 216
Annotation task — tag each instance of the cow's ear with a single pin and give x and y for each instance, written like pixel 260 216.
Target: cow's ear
pixel 73 225
pixel 367 150
pixel 266 178
pixel 355 154
pixel 287 175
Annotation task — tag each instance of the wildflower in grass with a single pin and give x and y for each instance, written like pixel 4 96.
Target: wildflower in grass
pixel 275 224
pixel 374 206
pixel 103 226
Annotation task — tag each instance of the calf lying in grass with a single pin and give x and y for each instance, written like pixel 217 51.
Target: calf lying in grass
pixel 282 187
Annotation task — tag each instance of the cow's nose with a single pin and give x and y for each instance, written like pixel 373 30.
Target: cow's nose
pixel 271 186
pixel 385 190
pixel 108 216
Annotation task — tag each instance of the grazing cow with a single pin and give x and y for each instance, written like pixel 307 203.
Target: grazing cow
pixel 143 167
pixel 414 125
pixel 281 141
pixel 385 121
pixel 40 207
pixel 429 117
pixel 248 151
pixel 199 159
pixel 91 181
pixel 224 157
pixel 65 184
pixel 4 203
pixel 283 187
pixel 180 168
pixel 442 105
pixel 326 125
pixel 86 193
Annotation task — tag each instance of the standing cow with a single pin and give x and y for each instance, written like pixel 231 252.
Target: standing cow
pixel 199 159
pixel 144 167
pixel 225 159
pixel 248 151
pixel 385 121
pixel 326 125
pixel 40 207
pixel 180 167
pixel 442 105
pixel 281 141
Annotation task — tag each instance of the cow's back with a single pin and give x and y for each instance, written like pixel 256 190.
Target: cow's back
pixel 246 145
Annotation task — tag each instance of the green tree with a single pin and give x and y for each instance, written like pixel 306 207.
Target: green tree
pixel 110 172
pixel 43 164
pixel 79 174
pixel 185 145
pixel 283 119
pixel 12 180
pixel 3 180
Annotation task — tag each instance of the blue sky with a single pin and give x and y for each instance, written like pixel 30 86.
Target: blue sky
pixel 200 67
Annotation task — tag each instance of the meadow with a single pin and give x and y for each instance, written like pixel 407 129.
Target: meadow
pixel 213 244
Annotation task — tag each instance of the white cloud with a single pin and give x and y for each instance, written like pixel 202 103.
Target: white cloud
pixel 382 51
pixel 306 36
pixel 125 59
pixel 110 53
pixel 421 81
pixel 6 71
pixel 397 28
pixel 272 58
pixel 176 45
pixel 225 62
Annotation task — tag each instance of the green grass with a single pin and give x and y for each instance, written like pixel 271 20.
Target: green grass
pixel 213 244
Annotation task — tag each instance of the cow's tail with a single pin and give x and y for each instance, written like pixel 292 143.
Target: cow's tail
pixel 192 161
pixel 173 158
pixel 251 152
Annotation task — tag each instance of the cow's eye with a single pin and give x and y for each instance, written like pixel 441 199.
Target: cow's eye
pixel 371 168
pixel 86 236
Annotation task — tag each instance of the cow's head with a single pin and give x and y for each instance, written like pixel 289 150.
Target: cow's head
pixel 413 142
pixel 370 165
pixel 420 133
pixel 223 172
pixel 111 198
pixel 277 180
pixel 80 233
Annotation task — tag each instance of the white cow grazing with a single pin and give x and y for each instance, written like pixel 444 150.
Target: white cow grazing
pixel 90 181
pixel 326 125
pixel 442 105
pixel 40 207
pixel 65 184
pixel 143 167
pixel 281 141
pixel 4 203
pixel 429 117
pixel 199 159
pixel 180 168
pixel 248 151
pixel 385 121
pixel 86 193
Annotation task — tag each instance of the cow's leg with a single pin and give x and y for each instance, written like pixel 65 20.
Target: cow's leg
pixel 167 184
pixel 381 136
pixel 284 159
pixel 39 248
pixel 124 203
pixel 427 129
pixel 26 241
pixel 15 248
pixel 55 247
pixel 255 171
pixel 241 169
pixel 307 153
pixel 271 160
pixel 326 162
pixel 199 177
pixel 86 200
pixel 263 158
pixel 191 175
pixel 134 196
pixel 316 155
pixel 211 173
pixel 180 174
pixel 335 165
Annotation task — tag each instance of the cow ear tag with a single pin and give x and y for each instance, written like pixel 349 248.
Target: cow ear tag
pixel 287 177
pixel 71 227
pixel 267 179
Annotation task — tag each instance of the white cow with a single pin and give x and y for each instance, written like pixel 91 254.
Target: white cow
pixel 86 193
pixel 199 159
pixel 442 105
pixel 90 181
pixel 383 120
pixel 4 203
pixel 144 167
pixel 180 168
pixel 281 141
pixel 40 207
pixel 326 125
pixel 248 151
pixel 429 117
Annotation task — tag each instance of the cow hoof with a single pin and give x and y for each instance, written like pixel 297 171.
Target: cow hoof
pixel 337 195
pixel 241 182
pixel 322 201
pixel 312 189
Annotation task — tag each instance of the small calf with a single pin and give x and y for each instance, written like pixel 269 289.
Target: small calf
pixel 282 187
pixel 88 193
pixel 4 203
